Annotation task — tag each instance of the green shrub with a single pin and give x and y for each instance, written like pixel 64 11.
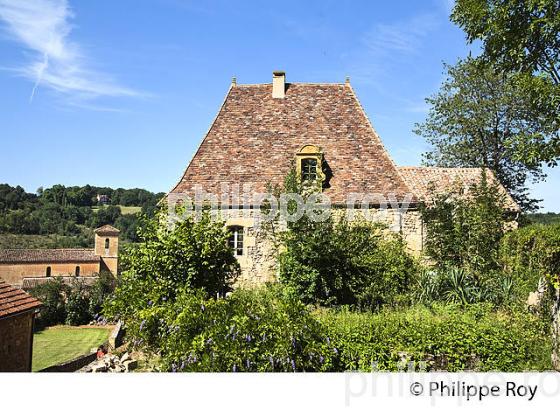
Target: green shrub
pixel 445 337
pixel 77 304
pixel 464 231
pixel 52 295
pixel 531 253
pixel 269 329
pixel 337 263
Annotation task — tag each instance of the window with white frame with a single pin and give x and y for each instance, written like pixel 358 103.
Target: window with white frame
pixel 236 239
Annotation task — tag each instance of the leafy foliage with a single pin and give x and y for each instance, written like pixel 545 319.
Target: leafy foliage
pixel 52 295
pixel 531 253
pixel 481 118
pixel 464 229
pixel 522 38
pixel 191 255
pixel 269 330
pixel 67 211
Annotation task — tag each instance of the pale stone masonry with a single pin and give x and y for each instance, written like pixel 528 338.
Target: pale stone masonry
pixel 262 131
pixel 28 267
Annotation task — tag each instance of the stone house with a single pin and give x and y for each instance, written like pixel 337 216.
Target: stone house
pixel 17 312
pixel 262 131
pixel 25 268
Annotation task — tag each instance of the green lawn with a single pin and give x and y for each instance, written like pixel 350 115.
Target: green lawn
pixel 58 344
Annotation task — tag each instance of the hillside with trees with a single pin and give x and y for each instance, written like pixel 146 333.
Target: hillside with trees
pixel 62 216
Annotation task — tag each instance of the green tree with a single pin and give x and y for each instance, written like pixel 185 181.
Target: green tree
pixel 191 255
pixel 463 230
pixel 521 37
pixel 480 118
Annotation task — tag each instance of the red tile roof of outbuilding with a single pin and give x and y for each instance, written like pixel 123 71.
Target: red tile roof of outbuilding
pixel 14 300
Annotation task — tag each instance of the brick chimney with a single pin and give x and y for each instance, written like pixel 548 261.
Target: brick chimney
pixel 278 84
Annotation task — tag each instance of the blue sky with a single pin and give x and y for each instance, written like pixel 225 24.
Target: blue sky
pixel 120 93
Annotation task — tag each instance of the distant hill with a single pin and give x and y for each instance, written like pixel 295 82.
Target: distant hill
pixel 63 216
pixel 544 218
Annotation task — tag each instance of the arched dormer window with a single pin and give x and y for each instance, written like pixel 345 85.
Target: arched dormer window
pixel 107 243
pixel 309 161
pixel 77 272
pixel 48 271
pixel 236 239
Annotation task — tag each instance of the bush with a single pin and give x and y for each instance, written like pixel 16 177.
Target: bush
pixel 340 263
pixel 464 230
pixel 531 253
pixel 52 295
pixel 192 255
pixel 77 304
pixel 269 329
pixel 445 337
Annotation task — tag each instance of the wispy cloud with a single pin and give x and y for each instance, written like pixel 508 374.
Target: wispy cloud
pixel 44 27
pixel 403 37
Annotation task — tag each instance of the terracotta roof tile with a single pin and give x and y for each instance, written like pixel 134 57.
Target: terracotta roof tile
pixel 107 229
pixel 47 255
pixel 255 138
pixel 13 300
pixel 428 182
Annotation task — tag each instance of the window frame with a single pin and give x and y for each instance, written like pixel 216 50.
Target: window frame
pixel 234 242
pixel 306 153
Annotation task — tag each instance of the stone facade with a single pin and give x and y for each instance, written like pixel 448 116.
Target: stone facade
pixel 23 265
pixel 17 311
pixel 262 132
pixel 16 342
pixel 258 262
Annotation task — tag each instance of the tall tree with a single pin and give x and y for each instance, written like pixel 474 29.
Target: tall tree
pixel 480 118
pixel 521 37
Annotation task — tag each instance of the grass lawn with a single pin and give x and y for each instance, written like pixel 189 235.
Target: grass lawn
pixel 58 344
pixel 125 210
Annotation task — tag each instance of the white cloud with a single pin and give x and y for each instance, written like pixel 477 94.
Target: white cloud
pixel 43 26
pixel 404 37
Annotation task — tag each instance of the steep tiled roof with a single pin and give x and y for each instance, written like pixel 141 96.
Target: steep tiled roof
pixel 13 300
pixel 107 230
pixel 428 182
pixel 255 138
pixel 47 255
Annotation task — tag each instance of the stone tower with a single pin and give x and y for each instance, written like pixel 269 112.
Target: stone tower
pixel 107 247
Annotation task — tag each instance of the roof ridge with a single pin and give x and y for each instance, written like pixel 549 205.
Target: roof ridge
pixel 288 83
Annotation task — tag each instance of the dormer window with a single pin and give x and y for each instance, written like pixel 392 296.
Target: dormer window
pixel 308 169
pixel 309 164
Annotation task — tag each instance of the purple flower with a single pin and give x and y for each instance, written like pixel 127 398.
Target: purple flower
pixel 321 359
pixel 335 350
pixel 328 341
pixel 271 360
pixel 248 338
pixel 142 325
pixel 182 365
pixel 173 367
pixel 264 337
pixel 234 368
pixel 248 363
pixel 209 340
pixel 202 308
pixel 293 365
pixel 149 303
pixel 164 298
pixel 293 342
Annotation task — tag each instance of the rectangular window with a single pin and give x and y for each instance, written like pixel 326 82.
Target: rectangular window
pixel 308 169
pixel 236 239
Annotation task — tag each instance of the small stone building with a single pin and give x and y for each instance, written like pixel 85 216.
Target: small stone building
pixel 17 312
pixel 262 131
pixel 26 268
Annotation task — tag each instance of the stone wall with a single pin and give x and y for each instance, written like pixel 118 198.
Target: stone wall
pixel 258 262
pixel 13 273
pixel 16 342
